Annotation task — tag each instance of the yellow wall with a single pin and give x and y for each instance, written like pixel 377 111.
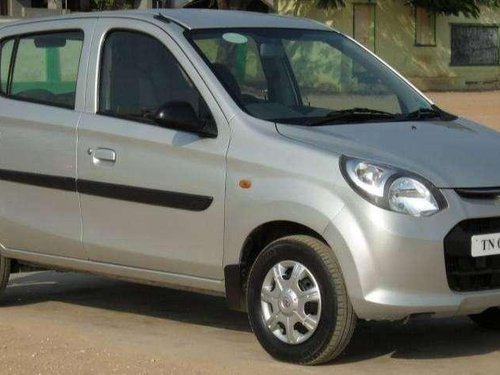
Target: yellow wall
pixel 427 67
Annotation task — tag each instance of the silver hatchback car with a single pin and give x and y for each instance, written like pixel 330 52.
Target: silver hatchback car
pixel 270 160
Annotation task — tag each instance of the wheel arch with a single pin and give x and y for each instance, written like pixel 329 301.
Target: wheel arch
pixel 236 275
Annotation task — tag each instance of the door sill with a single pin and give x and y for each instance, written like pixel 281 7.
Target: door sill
pixel 139 275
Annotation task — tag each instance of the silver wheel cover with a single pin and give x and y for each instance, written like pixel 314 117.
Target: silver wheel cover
pixel 291 302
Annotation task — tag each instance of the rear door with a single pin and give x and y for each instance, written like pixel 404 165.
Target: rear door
pixel 42 81
pixel 152 197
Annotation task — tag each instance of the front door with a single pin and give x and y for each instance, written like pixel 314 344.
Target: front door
pixel 151 197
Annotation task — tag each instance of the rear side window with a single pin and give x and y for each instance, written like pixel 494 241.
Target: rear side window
pixel 134 85
pixel 45 68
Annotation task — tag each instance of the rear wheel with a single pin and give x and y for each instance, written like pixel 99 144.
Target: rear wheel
pixel 297 301
pixel 489 319
pixel 4 272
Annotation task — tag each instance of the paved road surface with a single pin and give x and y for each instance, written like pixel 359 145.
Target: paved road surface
pixel 65 323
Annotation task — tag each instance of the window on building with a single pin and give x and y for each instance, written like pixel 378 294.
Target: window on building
pixel 364 24
pixel 73 5
pixel 473 45
pixel 425 27
pixel 45 68
pixel 39 3
pixel 135 85
pixel 3 8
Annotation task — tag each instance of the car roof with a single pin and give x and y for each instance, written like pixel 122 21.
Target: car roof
pixel 193 19
pixel 206 18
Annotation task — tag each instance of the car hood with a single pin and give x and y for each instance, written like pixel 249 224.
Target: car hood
pixel 450 154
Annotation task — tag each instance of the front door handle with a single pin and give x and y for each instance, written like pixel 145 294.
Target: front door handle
pixel 102 155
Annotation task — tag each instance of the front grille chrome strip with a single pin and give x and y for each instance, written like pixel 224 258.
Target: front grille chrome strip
pixel 479 193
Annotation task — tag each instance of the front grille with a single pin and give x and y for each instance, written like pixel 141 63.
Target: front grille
pixel 464 272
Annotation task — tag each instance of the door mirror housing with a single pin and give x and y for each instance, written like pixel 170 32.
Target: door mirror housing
pixel 182 116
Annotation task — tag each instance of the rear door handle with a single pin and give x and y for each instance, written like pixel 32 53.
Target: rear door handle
pixel 102 155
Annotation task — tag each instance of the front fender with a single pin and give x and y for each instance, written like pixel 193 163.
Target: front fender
pixel 275 199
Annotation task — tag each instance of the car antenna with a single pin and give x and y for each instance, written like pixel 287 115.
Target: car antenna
pixel 159 16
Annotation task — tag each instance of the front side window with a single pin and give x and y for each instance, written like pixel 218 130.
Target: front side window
pixel 305 76
pixel 45 67
pixel 139 76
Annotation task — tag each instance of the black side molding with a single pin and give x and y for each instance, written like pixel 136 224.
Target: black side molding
pixel 234 290
pixel 183 201
pixel 42 180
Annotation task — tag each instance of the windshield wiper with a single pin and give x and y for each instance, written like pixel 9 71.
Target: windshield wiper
pixel 430 113
pixel 353 115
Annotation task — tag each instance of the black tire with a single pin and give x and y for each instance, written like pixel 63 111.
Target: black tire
pixel 4 272
pixel 489 319
pixel 337 318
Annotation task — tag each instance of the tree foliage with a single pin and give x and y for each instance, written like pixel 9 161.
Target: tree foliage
pixel 470 8
pixel 250 5
pixel 111 4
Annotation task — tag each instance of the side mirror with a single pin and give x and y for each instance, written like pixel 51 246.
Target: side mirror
pixel 182 116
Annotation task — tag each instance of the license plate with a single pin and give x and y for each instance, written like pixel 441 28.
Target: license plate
pixel 485 245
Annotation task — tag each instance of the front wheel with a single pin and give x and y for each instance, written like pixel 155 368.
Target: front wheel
pixel 489 319
pixel 297 301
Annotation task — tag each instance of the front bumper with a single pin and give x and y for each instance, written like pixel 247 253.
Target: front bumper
pixel 394 265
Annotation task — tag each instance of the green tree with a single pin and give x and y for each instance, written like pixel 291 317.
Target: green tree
pixel 252 5
pixel 111 4
pixel 470 8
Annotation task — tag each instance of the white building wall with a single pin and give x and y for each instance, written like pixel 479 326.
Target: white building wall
pixel 54 4
pixel 15 7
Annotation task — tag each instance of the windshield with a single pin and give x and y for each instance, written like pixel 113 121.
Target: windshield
pixel 306 76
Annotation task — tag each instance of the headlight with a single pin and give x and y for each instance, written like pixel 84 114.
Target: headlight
pixel 391 188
